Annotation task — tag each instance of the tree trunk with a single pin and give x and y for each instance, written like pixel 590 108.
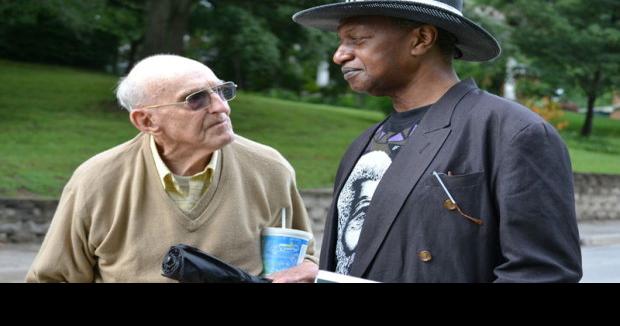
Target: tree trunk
pixel 166 25
pixel 616 98
pixel 132 54
pixel 591 90
pixel 586 129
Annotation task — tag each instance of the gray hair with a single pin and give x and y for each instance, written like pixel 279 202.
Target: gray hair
pixel 128 94
pixel 135 89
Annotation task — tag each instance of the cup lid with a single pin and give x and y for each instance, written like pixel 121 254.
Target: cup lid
pixel 288 232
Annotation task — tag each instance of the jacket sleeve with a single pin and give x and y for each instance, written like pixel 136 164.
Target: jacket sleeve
pixel 65 255
pixel 538 232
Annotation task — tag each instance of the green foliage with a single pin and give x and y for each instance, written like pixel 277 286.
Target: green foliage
pixel 570 43
pixel 56 31
pixel 532 87
pixel 333 95
pixel 247 52
pixel 488 75
pixel 549 110
pixel 257 44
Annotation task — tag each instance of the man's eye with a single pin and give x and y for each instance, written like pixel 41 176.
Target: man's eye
pixel 198 101
pixel 353 40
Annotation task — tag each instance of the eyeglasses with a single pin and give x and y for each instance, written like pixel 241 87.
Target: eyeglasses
pixel 202 98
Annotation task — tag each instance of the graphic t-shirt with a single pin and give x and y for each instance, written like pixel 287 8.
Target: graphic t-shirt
pixel 357 192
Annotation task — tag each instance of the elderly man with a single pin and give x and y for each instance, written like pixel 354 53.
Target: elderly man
pixel 456 184
pixel 185 178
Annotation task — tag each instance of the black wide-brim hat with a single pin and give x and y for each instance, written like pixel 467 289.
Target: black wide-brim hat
pixel 473 41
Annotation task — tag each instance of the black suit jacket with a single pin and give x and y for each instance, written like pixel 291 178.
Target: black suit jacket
pixel 511 169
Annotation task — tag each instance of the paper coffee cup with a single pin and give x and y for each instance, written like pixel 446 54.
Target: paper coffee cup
pixel 283 248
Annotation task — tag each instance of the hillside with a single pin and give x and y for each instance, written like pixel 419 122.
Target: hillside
pixel 52 119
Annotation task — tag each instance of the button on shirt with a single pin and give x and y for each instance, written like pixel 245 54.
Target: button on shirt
pixel 185 191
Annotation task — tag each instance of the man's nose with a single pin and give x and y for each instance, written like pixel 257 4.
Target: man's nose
pixel 342 55
pixel 218 105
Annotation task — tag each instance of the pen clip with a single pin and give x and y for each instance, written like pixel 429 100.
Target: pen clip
pixel 472 219
pixel 444 187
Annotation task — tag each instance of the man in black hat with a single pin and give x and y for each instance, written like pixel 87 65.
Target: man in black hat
pixel 456 184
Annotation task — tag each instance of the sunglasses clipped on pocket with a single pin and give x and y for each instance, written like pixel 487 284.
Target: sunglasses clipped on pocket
pixel 451 204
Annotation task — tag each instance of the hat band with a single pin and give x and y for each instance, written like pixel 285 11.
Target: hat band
pixel 433 3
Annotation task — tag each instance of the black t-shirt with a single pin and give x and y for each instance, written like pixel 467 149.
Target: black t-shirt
pixel 356 194
pixel 395 131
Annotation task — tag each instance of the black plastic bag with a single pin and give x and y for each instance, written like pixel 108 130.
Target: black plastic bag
pixel 187 264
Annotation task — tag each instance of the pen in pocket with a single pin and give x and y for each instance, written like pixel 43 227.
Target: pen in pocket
pixel 452 205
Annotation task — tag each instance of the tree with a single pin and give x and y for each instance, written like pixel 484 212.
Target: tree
pixel 571 43
pixel 256 43
pixel 125 19
pixel 56 31
pixel 237 45
pixel 489 75
pixel 166 25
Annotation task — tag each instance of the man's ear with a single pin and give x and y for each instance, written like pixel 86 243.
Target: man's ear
pixel 142 119
pixel 422 39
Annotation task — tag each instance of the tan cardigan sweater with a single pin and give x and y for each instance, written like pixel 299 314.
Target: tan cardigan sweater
pixel 115 223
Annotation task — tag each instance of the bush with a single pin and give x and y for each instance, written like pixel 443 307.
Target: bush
pixel 283 94
pixel 334 96
pixel 549 110
pixel 46 38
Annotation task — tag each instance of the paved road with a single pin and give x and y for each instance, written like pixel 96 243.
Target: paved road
pixel 15 259
pixel 601 264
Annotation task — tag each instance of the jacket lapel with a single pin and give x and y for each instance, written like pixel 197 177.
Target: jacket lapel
pixel 404 173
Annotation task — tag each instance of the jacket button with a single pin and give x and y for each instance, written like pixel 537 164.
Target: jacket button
pixel 425 255
pixel 450 205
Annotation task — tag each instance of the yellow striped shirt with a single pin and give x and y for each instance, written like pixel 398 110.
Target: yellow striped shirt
pixel 185 191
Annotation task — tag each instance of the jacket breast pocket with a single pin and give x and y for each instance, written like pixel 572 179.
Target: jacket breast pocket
pixel 456 181
pixel 465 189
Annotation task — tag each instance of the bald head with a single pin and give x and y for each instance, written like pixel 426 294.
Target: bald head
pixel 152 75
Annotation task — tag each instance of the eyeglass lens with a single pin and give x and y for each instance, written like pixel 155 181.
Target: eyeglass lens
pixel 202 99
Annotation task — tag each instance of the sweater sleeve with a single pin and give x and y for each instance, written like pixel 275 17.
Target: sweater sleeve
pixel 65 255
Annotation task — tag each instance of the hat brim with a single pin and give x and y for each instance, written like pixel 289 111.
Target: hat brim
pixel 474 42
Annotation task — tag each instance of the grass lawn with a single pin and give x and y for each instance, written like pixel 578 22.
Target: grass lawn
pixel 312 137
pixel 599 153
pixel 52 119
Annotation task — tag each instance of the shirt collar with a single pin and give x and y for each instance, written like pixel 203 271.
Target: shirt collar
pixel 165 176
